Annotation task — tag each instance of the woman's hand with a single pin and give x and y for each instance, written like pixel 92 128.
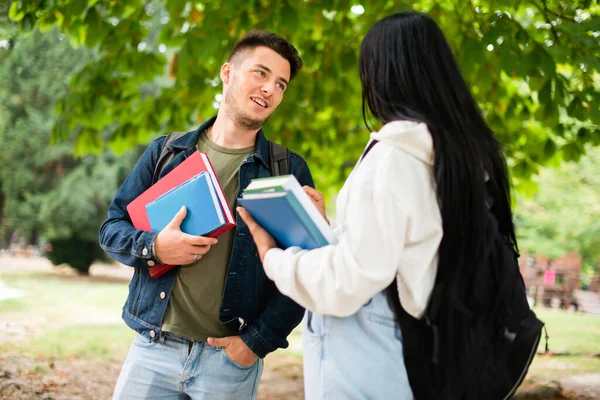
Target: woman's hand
pixel 263 239
pixel 318 200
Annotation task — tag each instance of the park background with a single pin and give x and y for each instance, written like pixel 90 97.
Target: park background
pixel 85 85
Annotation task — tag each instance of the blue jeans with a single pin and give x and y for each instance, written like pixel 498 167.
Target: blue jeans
pixel 179 368
pixel 357 357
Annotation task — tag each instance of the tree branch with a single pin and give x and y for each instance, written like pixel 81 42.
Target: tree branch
pixel 544 10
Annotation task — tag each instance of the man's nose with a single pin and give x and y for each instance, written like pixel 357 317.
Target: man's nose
pixel 268 88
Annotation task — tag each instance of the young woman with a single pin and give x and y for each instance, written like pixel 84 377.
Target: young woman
pixel 414 205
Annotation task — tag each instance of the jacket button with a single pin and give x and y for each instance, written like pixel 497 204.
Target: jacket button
pixel 151 263
pixel 162 295
pixel 152 334
pixel 145 252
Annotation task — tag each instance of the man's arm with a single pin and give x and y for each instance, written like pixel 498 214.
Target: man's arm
pixel 118 238
pixel 281 314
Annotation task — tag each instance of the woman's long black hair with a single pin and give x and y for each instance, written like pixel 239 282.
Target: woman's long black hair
pixel 408 72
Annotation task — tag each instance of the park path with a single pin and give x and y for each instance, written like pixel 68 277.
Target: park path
pixel 9 293
pixel 589 302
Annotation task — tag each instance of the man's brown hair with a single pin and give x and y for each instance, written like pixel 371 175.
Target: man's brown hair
pixel 258 38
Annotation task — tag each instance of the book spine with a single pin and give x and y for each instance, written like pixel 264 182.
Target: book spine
pixel 222 199
pixel 294 186
pixel 306 220
pixel 159 270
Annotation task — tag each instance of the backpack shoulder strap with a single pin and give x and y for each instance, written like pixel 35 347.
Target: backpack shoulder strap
pixel 368 149
pixel 279 156
pixel 165 152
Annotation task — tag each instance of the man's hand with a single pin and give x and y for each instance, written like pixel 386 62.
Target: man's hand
pixel 236 350
pixel 174 247
pixel 263 239
pixel 318 200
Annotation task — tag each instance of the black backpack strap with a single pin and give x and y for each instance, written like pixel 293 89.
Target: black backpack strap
pixel 280 156
pixel 165 152
pixel 368 149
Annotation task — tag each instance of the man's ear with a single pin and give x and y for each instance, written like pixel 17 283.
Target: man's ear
pixel 226 70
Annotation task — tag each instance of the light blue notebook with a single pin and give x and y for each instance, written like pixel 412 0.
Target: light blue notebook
pixel 283 217
pixel 204 213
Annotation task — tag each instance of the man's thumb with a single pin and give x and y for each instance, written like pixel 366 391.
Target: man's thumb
pixel 217 342
pixel 178 218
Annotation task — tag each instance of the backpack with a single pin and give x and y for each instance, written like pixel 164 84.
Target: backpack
pixel 450 353
pixel 278 155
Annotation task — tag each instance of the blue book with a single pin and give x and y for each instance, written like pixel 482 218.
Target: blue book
pixel 198 195
pixel 281 214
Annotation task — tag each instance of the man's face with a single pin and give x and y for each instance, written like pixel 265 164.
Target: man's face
pixel 253 85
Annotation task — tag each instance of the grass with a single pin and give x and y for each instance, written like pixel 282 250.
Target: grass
pixel 66 318
pixel 74 318
pixel 548 368
pixel 573 333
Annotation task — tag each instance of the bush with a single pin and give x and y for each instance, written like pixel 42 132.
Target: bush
pixel 77 253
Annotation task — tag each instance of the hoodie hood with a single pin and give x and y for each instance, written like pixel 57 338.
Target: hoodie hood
pixel 411 137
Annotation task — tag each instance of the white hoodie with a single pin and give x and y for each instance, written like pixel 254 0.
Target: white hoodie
pixel 389 226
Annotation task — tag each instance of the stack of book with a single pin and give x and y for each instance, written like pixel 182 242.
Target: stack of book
pixel 280 205
pixel 192 184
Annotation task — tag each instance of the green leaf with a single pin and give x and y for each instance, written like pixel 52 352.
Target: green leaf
pixel 289 19
pixel 594 113
pixel 549 148
pixel 577 110
pixel 27 23
pixel 14 14
pixel 544 93
pixel 571 152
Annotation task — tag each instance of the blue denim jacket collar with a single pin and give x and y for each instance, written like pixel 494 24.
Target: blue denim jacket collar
pixel 188 142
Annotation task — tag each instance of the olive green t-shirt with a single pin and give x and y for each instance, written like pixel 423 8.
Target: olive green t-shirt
pixel 193 309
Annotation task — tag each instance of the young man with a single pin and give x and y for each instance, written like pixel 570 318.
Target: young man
pixel 204 327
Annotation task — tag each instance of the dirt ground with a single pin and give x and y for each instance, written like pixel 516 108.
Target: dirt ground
pixel 74 379
pixel 24 378
pixel 79 379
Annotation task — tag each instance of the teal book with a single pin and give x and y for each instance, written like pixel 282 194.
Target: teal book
pixel 198 195
pixel 283 216
pixel 262 188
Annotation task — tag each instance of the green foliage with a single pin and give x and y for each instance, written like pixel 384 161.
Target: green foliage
pixel 565 214
pixel 532 66
pixel 78 253
pixel 34 75
pixel 46 191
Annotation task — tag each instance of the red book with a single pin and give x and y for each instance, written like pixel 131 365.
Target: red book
pixel 192 166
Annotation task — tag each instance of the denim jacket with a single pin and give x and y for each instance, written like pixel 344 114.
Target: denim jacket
pixel 251 303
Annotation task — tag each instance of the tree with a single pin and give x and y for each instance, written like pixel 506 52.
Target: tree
pixel 72 212
pixel 532 65
pixel 34 75
pixel 47 192
pixel 564 214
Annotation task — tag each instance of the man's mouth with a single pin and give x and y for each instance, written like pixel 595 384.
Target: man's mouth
pixel 259 101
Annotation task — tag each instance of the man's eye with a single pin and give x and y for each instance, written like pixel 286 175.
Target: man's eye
pixel 281 86
pixel 260 73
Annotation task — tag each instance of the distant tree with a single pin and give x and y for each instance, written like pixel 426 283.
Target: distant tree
pixel 46 191
pixel 564 215
pixel 532 65
pixel 72 212
pixel 34 75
